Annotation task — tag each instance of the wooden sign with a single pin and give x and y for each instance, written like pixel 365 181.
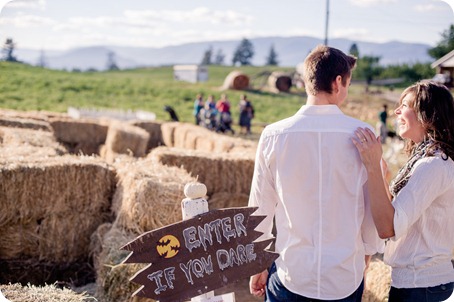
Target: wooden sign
pixel 198 255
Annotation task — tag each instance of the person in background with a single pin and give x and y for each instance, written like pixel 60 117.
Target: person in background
pixel 225 117
pixel 246 114
pixel 209 113
pixel 198 105
pixel 309 177
pixel 210 102
pixel 416 212
pixel 381 128
pixel 223 104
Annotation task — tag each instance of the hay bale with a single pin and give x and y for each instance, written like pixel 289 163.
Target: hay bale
pixel 180 134
pixel 220 172
pixel 51 206
pixel 279 82
pixel 19 143
pixel 242 147
pixel 112 282
pixel 80 135
pixel 236 80
pixel 32 115
pixel 49 293
pixel 24 123
pixel 148 195
pixel 222 200
pixel 377 282
pixel 123 138
pixel 154 130
pixel 189 136
pixel 168 133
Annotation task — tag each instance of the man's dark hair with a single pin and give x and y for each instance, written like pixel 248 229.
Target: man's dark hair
pixel 323 65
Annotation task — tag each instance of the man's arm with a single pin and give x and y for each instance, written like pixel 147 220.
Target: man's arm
pixel 257 284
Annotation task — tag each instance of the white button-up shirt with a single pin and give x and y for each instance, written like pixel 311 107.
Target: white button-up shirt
pixel 420 253
pixel 309 176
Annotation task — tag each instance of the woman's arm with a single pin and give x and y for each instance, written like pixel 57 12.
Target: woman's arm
pixel 369 148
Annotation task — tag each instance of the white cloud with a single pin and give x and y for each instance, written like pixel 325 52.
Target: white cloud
pixel 26 21
pixel 366 3
pixel 40 4
pixel 436 5
pixel 350 33
pixel 426 7
pixel 196 15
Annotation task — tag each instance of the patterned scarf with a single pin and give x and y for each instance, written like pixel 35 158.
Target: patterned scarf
pixel 405 172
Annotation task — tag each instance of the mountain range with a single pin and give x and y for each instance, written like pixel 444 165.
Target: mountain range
pixel 290 52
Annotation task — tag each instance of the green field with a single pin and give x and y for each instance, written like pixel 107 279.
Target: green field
pixel 24 87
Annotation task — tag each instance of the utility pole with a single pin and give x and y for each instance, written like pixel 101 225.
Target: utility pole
pixel 326 23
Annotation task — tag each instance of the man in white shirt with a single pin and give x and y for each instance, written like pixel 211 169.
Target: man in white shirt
pixel 309 177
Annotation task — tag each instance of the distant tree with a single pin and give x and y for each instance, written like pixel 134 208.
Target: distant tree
pixel 410 73
pixel 354 51
pixel 368 68
pixel 111 61
pixel 42 59
pixel 271 59
pixel 244 53
pixel 219 58
pixel 445 45
pixel 8 50
pixel 206 60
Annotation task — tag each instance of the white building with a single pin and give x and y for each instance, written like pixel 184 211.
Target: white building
pixel 190 73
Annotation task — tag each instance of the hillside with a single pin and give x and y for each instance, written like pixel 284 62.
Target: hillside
pixel 290 50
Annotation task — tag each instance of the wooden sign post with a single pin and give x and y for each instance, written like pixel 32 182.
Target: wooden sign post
pixel 199 254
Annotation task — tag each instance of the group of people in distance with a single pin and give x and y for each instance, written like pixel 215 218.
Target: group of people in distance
pixel 217 116
pixel 320 181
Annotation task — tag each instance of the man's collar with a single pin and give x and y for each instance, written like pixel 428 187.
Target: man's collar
pixel 319 109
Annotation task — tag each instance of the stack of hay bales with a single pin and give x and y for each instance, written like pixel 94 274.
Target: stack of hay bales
pixel 26 123
pixel 148 196
pixel 154 130
pixel 48 293
pixel 168 133
pixel 220 172
pixel 123 138
pixel 221 200
pixel 80 135
pixel 51 206
pixel 191 137
pixel 236 80
pixel 23 142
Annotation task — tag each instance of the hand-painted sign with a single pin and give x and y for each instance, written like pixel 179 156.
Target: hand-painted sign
pixel 198 255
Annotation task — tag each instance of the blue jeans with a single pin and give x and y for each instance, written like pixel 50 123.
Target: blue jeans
pixel 276 292
pixel 421 294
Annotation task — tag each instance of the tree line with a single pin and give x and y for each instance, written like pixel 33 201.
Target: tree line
pixel 242 55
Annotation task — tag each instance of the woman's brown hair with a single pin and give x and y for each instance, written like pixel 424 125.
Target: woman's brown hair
pixel 434 107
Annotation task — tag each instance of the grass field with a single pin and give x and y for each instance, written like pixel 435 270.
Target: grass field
pixel 24 87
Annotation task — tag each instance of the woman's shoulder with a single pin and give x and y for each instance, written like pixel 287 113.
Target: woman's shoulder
pixel 438 162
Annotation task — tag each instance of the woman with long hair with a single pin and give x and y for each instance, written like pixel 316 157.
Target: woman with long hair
pixel 417 211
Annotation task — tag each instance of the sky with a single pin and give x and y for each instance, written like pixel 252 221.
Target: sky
pixel 65 24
